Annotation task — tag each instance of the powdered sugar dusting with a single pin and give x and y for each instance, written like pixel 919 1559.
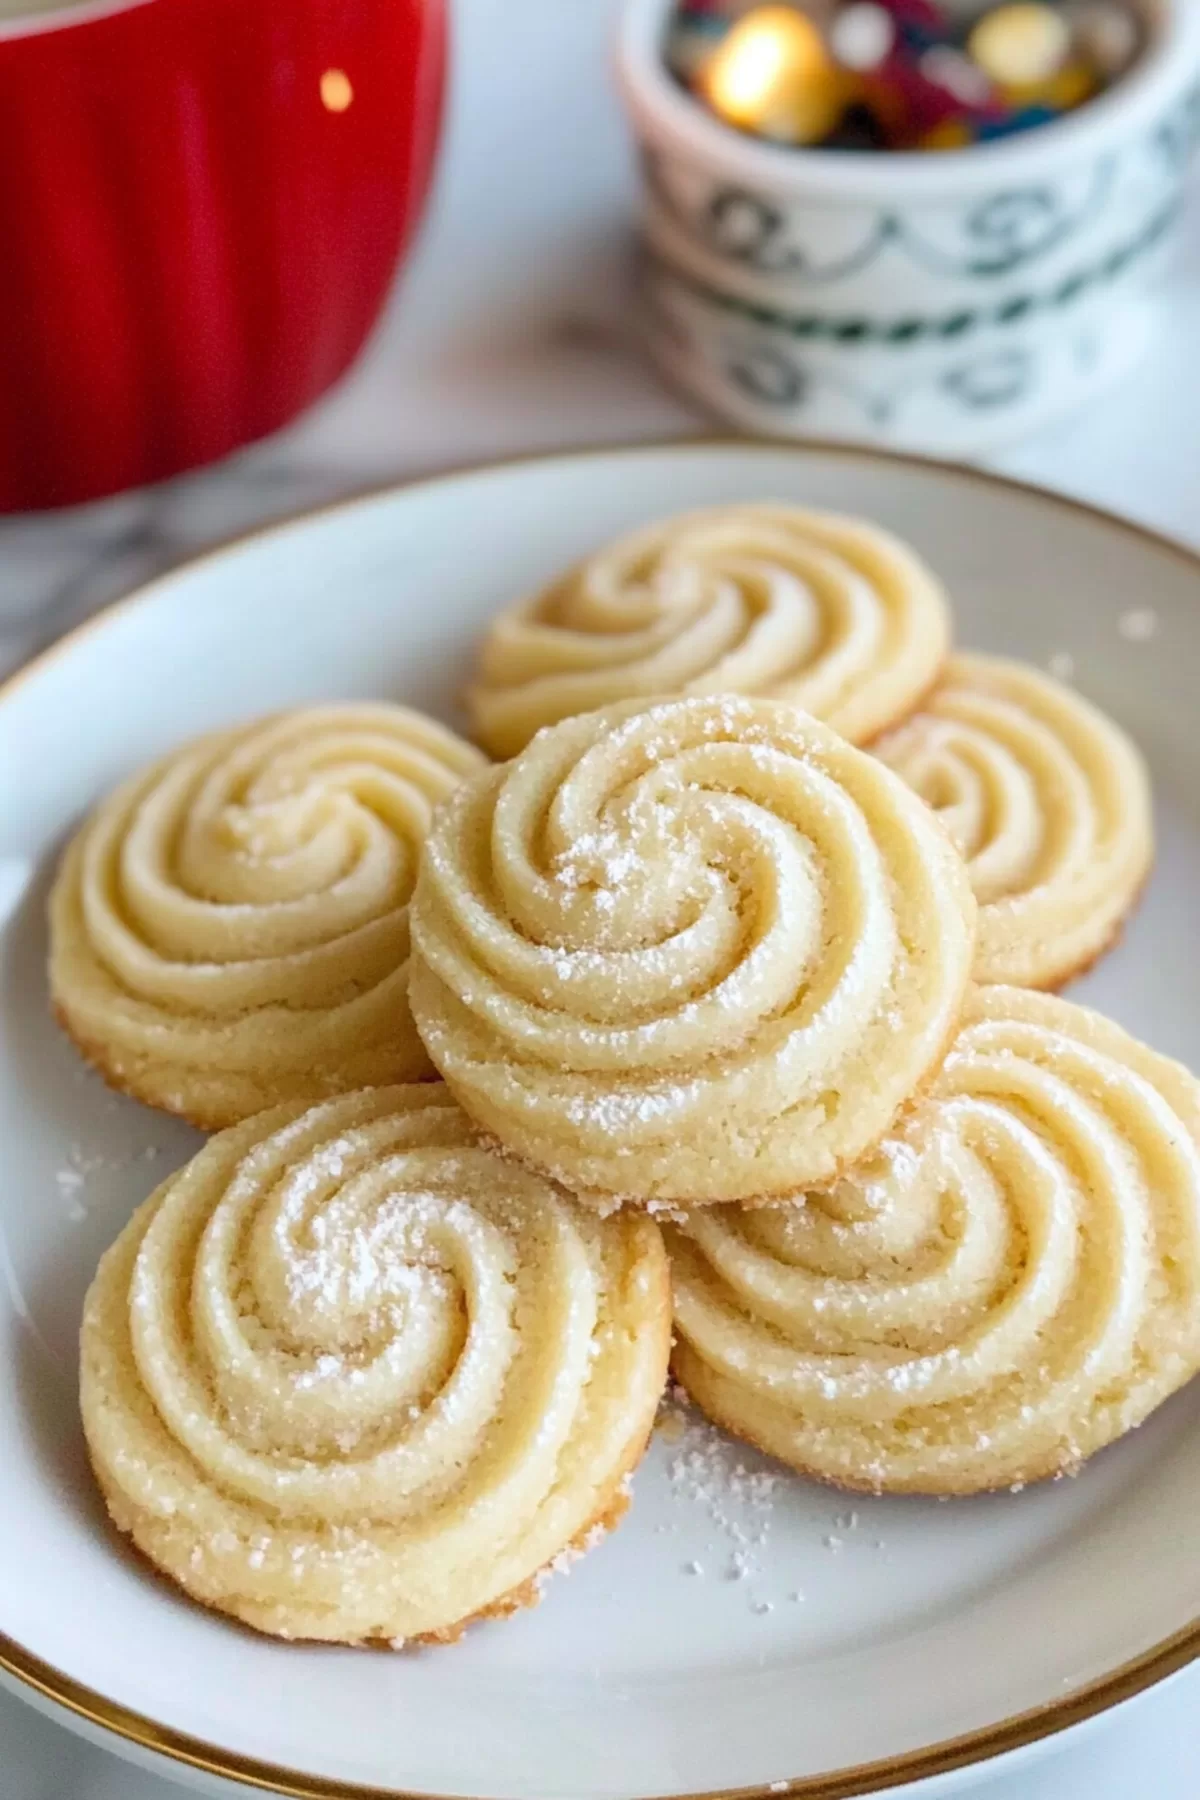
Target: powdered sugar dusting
pixel 709 1471
pixel 567 1558
pixel 1138 625
pixel 83 1172
pixel 603 858
pixel 738 1503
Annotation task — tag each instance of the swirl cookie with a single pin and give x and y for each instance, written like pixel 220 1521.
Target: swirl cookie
pixel 828 612
pixel 1048 801
pixel 693 952
pixel 1012 1283
pixel 348 1376
pixel 229 930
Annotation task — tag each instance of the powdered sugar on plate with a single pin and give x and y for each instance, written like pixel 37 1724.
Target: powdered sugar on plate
pixel 1138 625
pixel 724 1501
pixel 82 1171
pixel 709 1471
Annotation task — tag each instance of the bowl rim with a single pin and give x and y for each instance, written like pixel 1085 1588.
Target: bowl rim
pixel 68 15
pixel 664 113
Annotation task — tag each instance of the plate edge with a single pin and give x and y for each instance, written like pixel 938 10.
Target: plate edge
pixel 968 1751
pixel 695 441
pixel 1040 1723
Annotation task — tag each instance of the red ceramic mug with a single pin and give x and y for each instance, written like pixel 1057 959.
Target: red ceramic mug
pixel 202 203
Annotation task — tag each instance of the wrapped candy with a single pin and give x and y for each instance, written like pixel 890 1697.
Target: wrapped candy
pixel 863 36
pixel 774 74
pixel 926 93
pixel 899 74
pixel 1022 45
pixel 1029 51
pixel 1108 35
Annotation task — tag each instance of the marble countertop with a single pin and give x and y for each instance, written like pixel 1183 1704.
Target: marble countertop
pixel 513 331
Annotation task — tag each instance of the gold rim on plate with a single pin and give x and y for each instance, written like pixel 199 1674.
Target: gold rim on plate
pixel 1153 1666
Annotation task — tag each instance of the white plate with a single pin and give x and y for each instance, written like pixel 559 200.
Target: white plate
pixel 997 1621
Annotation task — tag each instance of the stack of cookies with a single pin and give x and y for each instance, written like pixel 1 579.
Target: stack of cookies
pixel 730 976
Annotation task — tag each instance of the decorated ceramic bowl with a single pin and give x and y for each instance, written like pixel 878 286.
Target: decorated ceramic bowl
pixel 948 302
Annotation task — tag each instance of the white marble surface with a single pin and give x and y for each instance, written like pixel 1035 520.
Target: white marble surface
pixel 513 332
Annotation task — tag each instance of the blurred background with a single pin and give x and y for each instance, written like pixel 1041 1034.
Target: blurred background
pixel 514 327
